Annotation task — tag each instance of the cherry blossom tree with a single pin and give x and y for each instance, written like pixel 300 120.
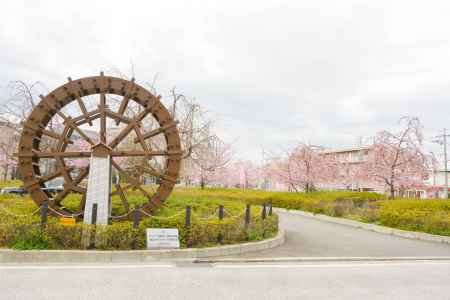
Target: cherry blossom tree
pixel 248 174
pixel 305 167
pixel 397 159
pixel 209 159
pixel 237 173
pixel 8 147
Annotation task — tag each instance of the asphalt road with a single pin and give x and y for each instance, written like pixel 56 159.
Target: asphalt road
pixel 393 280
pixel 312 237
pixel 306 237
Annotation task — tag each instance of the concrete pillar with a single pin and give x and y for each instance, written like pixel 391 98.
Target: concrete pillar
pixel 99 185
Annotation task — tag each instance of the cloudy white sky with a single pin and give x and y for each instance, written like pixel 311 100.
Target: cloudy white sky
pixel 269 72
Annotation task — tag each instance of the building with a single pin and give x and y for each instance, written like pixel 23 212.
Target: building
pixel 433 187
pixel 352 159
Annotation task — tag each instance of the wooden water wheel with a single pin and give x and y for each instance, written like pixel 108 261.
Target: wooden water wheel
pixel 37 129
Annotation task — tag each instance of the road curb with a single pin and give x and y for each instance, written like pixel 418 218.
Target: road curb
pixel 321 259
pixel 96 256
pixel 371 227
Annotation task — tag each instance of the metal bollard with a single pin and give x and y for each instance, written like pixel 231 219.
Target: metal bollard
pixel 93 222
pixel 136 217
pixel 94 214
pixel 44 211
pixel 187 221
pixel 221 212
pixel 247 215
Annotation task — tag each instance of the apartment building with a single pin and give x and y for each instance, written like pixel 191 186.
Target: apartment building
pixel 351 158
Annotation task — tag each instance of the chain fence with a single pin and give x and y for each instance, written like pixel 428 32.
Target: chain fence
pixel 220 213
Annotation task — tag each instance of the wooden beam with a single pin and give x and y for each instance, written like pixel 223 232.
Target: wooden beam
pixel 102 108
pixel 133 153
pixel 55 135
pixel 157 131
pixel 72 185
pixel 141 139
pixel 58 173
pixel 82 202
pixel 158 174
pixel 131 179
pixel 80 102
pixel 116 141
pixel 83 117
pixel 55 154
pixel 122 197
pixel 118 117
pixel 124 189
pixel 125 100
pixel 92 118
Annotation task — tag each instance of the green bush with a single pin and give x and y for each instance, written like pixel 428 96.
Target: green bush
pixel 204 230
pixel 122 236
pixel 425 215
pixel 432 216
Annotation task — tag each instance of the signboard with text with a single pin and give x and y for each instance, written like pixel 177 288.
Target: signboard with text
pixel 162 238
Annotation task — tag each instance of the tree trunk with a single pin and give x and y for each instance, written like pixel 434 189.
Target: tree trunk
pixel 5 176
pixel 392 193
pixel 202 183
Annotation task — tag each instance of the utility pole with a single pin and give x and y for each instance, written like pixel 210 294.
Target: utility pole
pixel 445 165
pixel 444 143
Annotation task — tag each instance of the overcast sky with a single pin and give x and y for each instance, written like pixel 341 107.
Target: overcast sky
pixel 269 72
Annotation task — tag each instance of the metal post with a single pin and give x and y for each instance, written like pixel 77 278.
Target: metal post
pixel 93 222
pixel 94 214
pixel 263 214
pixel 221 212
pixel 247 215
pixel 445 164
pixel 136 217
pixel 44 210
pixel 187 222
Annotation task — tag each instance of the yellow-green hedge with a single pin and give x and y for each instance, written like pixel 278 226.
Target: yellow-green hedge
pixel 121 235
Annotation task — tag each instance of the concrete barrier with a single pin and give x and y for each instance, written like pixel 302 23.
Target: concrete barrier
pixel 97 256
pixel 372 227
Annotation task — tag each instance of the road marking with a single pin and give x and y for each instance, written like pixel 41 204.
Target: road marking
pixel 319 259
pixel 56 267
pixel 294 266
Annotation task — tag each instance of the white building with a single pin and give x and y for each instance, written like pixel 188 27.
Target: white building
pixel 352 158
pixel 433 187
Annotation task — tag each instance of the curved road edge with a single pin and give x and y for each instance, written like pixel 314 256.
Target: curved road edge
pixel 118 256
pixel 371 227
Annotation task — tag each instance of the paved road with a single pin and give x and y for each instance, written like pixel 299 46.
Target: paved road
pixel 405 280
pixel 312 237
pixel 313 280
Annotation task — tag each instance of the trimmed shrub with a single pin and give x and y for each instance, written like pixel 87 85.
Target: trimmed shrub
pixel 122 235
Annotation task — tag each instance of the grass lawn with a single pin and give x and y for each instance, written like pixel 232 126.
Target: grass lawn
pixel 426 215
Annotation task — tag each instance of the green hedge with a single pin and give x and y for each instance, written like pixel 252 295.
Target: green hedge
pixel 122 235
pixel 432 216
pixel 425 215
